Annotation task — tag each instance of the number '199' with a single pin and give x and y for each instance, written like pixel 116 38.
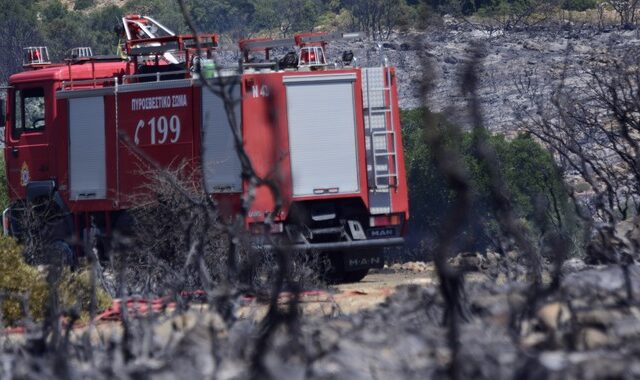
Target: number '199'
pixel 161 130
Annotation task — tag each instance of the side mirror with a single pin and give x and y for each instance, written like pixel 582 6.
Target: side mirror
pixel 3 116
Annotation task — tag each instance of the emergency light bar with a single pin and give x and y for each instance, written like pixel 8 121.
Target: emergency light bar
pixel 36 55
pixel 81 52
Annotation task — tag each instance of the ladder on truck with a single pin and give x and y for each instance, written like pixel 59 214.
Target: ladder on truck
pixel 382 163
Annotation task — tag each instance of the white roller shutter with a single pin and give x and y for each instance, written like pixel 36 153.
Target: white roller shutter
pixel 87 159
pixel 221 165
pixel 322 134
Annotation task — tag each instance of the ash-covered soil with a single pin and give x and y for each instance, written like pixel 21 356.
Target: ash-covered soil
pixel 589 329
pixel 512 64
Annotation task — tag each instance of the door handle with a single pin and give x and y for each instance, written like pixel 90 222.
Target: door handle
pixel 14 151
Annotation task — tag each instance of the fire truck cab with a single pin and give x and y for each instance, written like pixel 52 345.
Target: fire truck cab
pixel 82 133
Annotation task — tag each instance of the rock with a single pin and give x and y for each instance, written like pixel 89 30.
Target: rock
pixel 412 266
pixel 592 338
pixel 193 356
pixel 628 231
pixel 582 49
pixel 512 255
pixel 493 258
pixel 573 265
pixel 451 60
pixel 494 305
pixel 530 45
pixel 602 317
pixel 627 328
pixel 468 261
pixel 388 45
pixel 324 341
pixel 534 340
pixel 516 300
pixel 277 367
pixel 604 279
pixel 553 314
pixel 554 361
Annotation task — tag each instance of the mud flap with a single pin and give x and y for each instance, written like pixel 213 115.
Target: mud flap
pixel 355 260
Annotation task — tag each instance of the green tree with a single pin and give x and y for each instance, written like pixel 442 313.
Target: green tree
pixel 429 197
pixel 102 24
pixel 167 12
pixel 235 17
pixel 534 182
pixel 379 17
pixel 579 5
pixel 17 20
pixel 288 16
pixel 63 29
pixel 514 13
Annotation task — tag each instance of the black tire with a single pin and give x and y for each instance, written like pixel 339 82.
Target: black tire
pixel 355 276
pixel 337 274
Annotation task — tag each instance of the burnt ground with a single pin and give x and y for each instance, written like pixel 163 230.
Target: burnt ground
pixel 388 326
pixel 514 63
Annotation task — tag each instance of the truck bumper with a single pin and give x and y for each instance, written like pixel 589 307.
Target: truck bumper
pixel 339 245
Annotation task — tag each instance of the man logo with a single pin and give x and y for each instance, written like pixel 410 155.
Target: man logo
pixel 384 232
pixel 365 261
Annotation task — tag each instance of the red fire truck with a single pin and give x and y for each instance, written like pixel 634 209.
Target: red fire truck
pixel 82 133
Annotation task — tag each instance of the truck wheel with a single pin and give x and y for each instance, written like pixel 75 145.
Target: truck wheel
pixel 337 273
pixel 355 276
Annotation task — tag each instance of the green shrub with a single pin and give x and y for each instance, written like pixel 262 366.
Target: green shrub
pixel 75 290
pixel 18 279
pixel 429 196
pixel 534 182
pixel 579 5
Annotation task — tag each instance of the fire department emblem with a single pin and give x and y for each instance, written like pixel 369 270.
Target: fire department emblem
pixel 24 174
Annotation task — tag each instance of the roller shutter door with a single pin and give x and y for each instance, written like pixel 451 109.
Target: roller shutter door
pixel 221 165
pixel 87 158
pixel 322 134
